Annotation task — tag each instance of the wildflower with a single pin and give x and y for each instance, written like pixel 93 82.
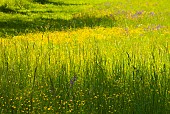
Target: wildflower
pixel 13 107
pixel 152 13
pixel 158 27
pixel 137 14
pixel 72 81
pixel 50 108
pixel 95 97
pixel 82 102
pixel 71 110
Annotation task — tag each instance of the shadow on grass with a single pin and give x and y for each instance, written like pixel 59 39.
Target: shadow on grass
pixel 17 26
pixel 62 3
pixel 59 3
pixel 5 9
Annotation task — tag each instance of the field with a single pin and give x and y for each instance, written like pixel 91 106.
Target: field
pixel 84 57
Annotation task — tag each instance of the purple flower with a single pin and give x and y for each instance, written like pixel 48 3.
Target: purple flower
pixel 73 80
pixel 158 27
pixel 139 12
pixel 152 13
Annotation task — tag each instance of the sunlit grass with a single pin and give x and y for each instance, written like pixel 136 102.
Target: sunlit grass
pixel 112 58
pixel 115 69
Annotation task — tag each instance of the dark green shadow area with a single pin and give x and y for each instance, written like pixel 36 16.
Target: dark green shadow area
pixel 18 26
pixel 5 9
pixel 48 17
pixel 59 3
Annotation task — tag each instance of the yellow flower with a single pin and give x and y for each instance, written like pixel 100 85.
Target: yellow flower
pixel 13 107
pixel 45 108
pixel 50 108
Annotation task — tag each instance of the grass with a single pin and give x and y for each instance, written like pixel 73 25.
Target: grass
pixel 29 17
pixel 112 58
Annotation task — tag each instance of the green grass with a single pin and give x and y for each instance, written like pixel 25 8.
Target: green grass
pixel 25 17
pixel 114 75
pixel 88 57
pixel 31 17
pixel 19 17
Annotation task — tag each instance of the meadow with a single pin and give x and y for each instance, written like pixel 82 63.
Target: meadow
pixel 84 57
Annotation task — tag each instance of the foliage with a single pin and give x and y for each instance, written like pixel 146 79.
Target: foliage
pixel 58 57
pixel 41 1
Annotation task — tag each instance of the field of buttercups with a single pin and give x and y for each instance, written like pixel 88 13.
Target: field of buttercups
pixel 110 68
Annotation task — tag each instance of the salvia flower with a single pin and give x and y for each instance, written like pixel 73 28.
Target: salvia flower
pixel 73 80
